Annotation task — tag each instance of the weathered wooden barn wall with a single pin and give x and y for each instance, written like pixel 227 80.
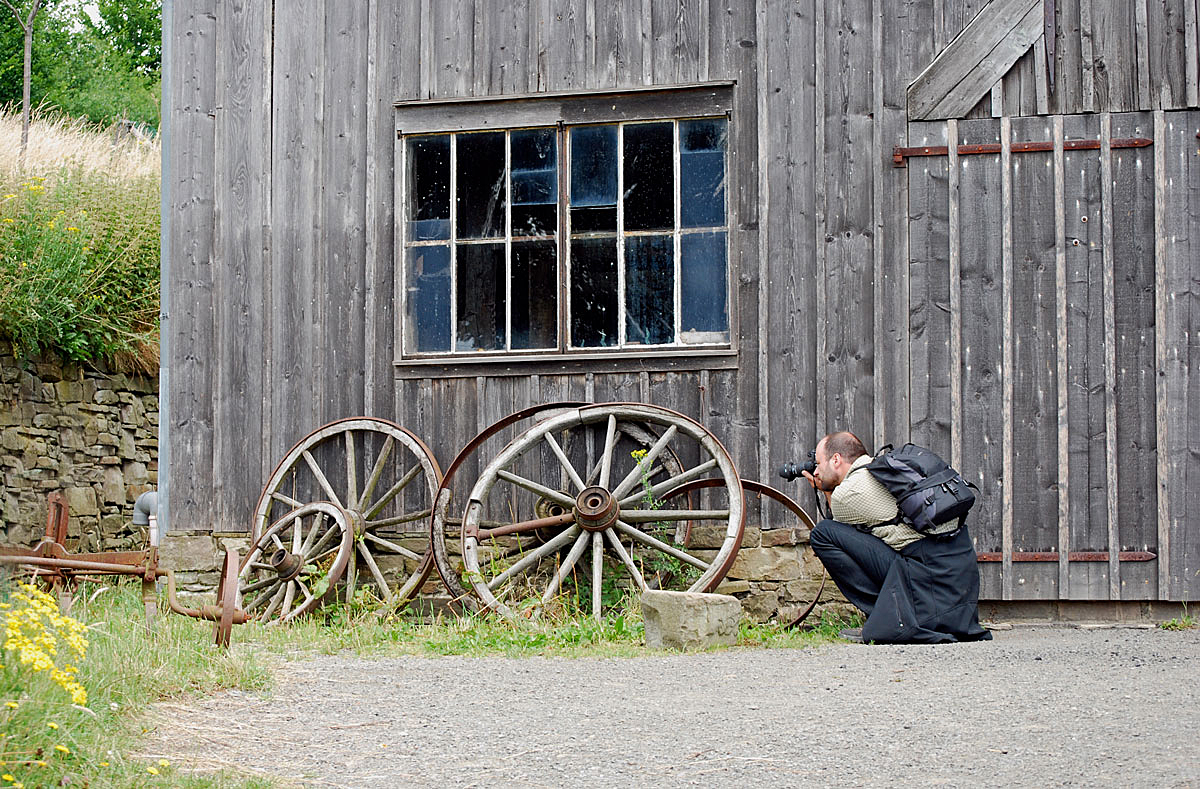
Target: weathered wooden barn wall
pixel 944 301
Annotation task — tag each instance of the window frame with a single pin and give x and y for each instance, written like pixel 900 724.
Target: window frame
pixel 563 111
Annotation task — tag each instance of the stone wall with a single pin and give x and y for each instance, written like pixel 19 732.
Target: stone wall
pixel 91 433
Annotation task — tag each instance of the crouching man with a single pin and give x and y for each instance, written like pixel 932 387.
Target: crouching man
pixel 914 588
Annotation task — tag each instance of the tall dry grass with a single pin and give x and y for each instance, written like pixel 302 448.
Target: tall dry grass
pixel 79 241
pixel 57 142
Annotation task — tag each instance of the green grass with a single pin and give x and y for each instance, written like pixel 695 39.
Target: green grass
pixel 1184 621
pixel 124 671
pixel 79 247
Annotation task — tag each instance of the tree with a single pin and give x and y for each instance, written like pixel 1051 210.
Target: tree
pixel 26 23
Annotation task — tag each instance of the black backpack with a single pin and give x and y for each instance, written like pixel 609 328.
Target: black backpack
pixel 929 492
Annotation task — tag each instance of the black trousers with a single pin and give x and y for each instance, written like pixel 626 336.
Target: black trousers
pixel 926 593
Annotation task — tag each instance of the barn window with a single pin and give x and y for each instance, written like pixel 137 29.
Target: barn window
pixel 566 238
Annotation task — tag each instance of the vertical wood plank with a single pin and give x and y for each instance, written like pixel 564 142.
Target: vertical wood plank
pixel 190 372
pixel 983 344
pixel 821 20
pixel 606 42
pixel 1069 66
pixel 1162 387
pixel 1060 303
pixel 297 385
pixel 1087 33
pixel 1114 44
pixel 929 292
pixel 1084 372
pixel 1142 55
pixel 1110 357
pixel 1191 49
pixel 848 224
pixel 342 195
pixel 955 284
pixel 239 160
pixel 785 316
pixel 1035 391
pixel 1166 64
pixel 1134 315
pixel 1006 242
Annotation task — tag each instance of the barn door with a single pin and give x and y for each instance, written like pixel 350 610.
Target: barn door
pixel 1044 252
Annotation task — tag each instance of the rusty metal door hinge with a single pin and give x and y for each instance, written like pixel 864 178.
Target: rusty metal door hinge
pixel 900 154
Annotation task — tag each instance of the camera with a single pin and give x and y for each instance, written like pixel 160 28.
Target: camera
pixel 790 471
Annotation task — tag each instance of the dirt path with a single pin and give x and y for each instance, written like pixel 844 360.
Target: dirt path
pixel 1035 707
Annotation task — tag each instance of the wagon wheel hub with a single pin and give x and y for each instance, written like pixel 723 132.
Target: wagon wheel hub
pixel 595 508
pixel 286 565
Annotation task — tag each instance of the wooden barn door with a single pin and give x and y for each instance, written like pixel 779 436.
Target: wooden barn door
pixel 1038 277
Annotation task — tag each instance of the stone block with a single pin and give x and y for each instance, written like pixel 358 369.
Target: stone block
pixel 113 489
pixel 767 564
pixel 105 397
pixel 135 473
pixel 70 438
pixel 802 590
pixel 68 391
pixel 45 421
pixel 689 620
pixel 711 535
pixel 732 587
pixel 126 448
pixel 761 605
pixel 186 552
pixel 13 440
pixel 773 538
pixel 81 501
pixel 48 371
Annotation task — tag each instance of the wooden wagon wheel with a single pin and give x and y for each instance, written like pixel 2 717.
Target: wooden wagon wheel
pixel 294 563
pixel 612 508
pixel 446 523
pixel 384 477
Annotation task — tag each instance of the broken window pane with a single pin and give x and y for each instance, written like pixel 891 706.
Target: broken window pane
pixel 703 290
pixel 534 294
pixel 649 290
pixel 480 276
pixel 649 172
pixel 534 155
pixel 479 183
pixel 594 179
pixel 593 292
pixel 702 173
pixel 427 296
pixel 429 188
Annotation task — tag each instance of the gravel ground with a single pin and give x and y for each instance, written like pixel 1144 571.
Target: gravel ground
pixel 1038 706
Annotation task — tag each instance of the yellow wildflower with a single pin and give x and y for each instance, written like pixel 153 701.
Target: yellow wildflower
pixel 152 770
pixel 103 764
pixel 8 777
pixel 12 705
pixel 72 229
pixel 40 763
pixel 62 749
pixel 9 196
pixel 52 725
pixel 9 220
pixel 163 763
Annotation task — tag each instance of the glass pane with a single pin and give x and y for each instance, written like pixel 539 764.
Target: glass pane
pixel 703 291
pixel 702 173
pixel 534 177
pixel 429 187
pixel 593 292
pixel 649 172
pixel 479 181
pixel 534 295
pixel 427 299
pixel 480 277
pixel 593 179
pixel 649 290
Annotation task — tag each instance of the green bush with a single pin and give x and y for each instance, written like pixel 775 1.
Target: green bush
pixel 79 255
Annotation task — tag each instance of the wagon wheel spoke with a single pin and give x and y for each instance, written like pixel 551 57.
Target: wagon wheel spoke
pixel 384 591
pixel 626 559
pixel 391 546
pixel 670 483
pixel 533 557
pixel 638 451
pixel 534 487
pixel 384 478
pixel 565 462
pixel 654 542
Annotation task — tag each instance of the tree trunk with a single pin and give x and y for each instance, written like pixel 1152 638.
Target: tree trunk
pixel 28 78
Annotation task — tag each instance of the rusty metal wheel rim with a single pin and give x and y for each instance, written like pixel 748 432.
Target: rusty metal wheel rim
pixel 319 537
pixel 624 484
pixel 377 496
pixel 227 599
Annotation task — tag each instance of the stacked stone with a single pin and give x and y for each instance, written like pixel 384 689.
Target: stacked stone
pixel 90 433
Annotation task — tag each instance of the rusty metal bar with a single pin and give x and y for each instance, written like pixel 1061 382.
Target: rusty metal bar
pixel 900 154
pixel 73 564
pixel 1072 556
